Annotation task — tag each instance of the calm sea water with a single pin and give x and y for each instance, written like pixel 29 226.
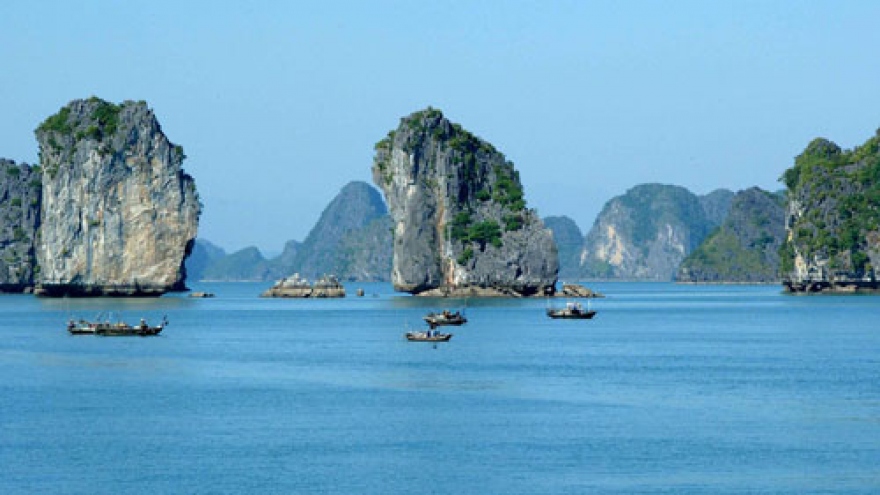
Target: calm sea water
pixel 670 389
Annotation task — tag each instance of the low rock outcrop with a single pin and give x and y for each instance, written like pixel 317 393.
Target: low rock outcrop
pixel 832 219
pixel 297 286
pixel 577 290
pixel 19 222
pixel 460 222
pixel 119 215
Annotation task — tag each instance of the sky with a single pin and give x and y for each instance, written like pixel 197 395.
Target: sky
pixel 278 104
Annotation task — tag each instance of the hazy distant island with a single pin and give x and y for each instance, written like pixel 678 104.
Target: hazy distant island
pixel 645 233
pixel 745 247
pixel 351 240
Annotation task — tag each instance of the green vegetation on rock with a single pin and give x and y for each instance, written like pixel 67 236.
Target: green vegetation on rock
pixel 58 122
pixel 836 197
pixel 745 247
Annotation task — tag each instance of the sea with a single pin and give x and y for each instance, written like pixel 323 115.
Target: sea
pixel 670 389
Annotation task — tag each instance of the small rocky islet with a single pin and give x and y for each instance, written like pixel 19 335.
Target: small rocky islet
pixel 297 286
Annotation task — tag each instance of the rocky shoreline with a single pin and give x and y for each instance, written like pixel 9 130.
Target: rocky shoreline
pixel 832 287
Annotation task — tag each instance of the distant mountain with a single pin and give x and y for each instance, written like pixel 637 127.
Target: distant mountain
pixel 352 240
pixel 716 204
pixel 646 233
pixel 745 248
pixel 204 254
pixel 247 264
pixel 569 243
pixel 285 261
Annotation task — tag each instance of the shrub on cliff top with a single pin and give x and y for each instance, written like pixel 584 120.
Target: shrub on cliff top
pixel 58 122
pixel 107 115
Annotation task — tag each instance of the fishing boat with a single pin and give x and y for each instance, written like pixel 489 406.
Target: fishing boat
pixel 573 311
pixel 81 327
pixel 445 317
pixel 428 336
pixel 118 329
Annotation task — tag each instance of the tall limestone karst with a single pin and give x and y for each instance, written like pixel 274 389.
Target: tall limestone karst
pixel 745 248
pixel 647 232
pixel 19 222
pixel 833 218
pixel 461 226
pixel 119 213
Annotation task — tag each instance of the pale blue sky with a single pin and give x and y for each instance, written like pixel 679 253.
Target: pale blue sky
pixel 278 104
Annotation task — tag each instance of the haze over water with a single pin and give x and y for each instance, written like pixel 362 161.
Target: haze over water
pixel 670 389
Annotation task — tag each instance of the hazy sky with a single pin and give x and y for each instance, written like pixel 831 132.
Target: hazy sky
pixel 278 104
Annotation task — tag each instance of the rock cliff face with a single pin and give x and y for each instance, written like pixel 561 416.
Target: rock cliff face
pixel 460 221
pixel 119 214
pixel 19 222
pixel 745 249
pixel 832 218
pixel 645 234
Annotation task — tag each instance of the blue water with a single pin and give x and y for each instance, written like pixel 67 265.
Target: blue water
pixel 670 389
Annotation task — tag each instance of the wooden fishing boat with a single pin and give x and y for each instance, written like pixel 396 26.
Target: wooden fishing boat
pixel 428 336
pixel 119 329
pixel 81 327
pixel 445 317
pixel 572 311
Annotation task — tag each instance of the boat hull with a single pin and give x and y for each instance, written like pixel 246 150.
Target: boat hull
pixel 424 337
pixel 128 331
pixel 121 329
pixel 567 315
pixel 440 320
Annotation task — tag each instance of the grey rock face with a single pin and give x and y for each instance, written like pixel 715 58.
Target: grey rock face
pixel 119 213
pixel 19 222
pixel 645 234
pixel 459 215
